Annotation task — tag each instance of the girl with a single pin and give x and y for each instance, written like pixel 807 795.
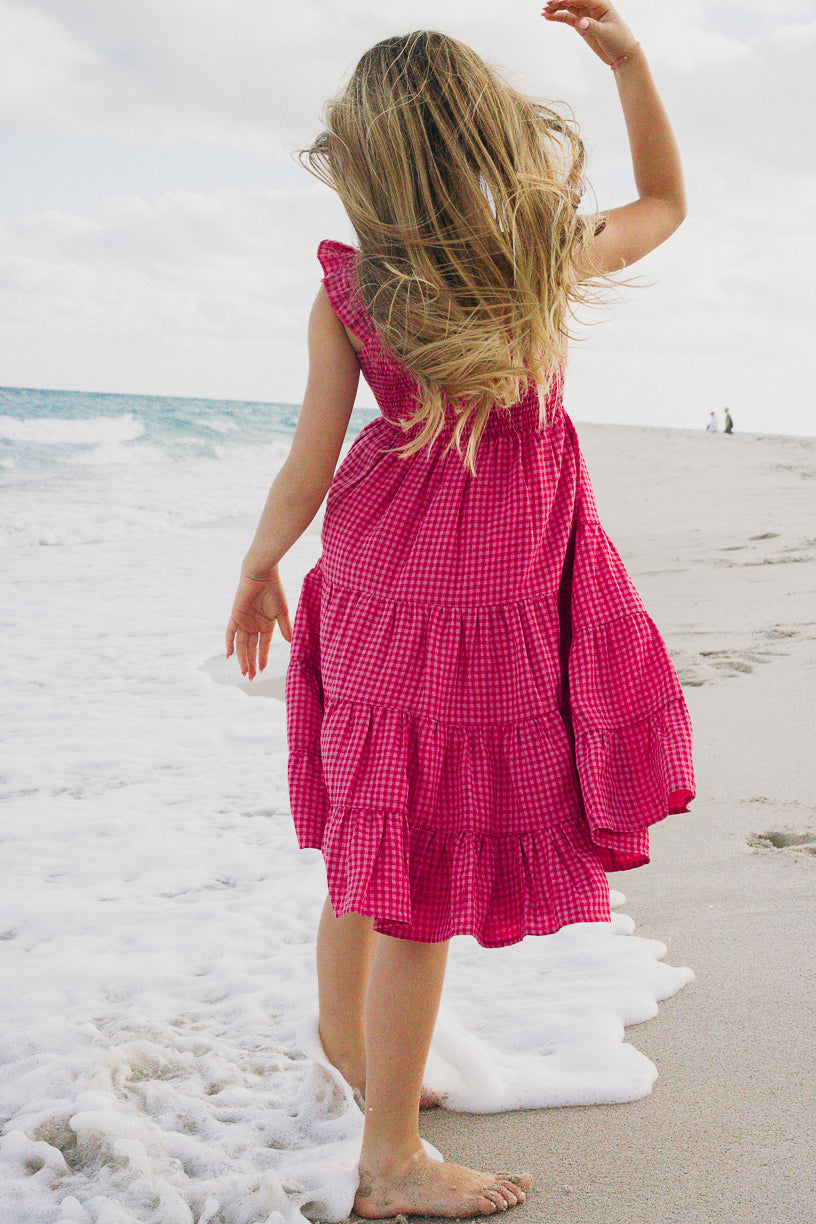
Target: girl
pixel 482 718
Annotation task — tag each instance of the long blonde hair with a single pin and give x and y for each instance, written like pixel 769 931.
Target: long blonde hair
pixel 463 194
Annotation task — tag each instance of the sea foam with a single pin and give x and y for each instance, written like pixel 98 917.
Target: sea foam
pixel 52 431
pixel 158 1038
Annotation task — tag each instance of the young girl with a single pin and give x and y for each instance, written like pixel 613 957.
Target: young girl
pixel 482 719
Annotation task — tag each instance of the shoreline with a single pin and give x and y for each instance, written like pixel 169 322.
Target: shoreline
pixel 158 918
pixel 373 409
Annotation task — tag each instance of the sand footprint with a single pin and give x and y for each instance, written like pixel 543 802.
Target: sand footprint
pixel 772 840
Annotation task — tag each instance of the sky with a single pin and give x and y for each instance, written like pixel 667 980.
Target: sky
pixel 158 237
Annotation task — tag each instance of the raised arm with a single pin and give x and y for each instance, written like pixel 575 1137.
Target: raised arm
pixel 632 231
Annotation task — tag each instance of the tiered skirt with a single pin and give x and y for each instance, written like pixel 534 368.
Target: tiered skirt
pixel 476 767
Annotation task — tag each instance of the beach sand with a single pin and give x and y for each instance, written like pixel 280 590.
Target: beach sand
pixel 721 547
pixel 157 919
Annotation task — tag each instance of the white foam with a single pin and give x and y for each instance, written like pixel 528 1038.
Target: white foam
pixel 107 454
pixel 116 492
pixel 222 425
pixel 157 1037
pixel 55 431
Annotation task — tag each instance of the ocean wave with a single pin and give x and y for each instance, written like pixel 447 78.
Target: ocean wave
pixel 218 425
pixel 107 453
pixel 81 431
pixel 135 492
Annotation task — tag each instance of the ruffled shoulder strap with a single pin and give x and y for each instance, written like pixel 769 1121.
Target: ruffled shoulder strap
pixel 340 283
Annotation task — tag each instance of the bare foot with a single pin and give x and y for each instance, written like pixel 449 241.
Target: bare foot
pixel 422 1186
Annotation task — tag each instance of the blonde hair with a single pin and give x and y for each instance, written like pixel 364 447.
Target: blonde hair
pixel 463 194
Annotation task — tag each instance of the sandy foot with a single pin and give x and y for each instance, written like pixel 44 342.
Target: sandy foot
pixel 427 1187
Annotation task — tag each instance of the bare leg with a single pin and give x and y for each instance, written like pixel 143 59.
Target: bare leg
pixel 396 1175
pixel 345 947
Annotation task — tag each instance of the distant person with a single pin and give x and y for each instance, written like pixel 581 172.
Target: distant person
pixel 454 785
pixel 729 424
pixel 711 427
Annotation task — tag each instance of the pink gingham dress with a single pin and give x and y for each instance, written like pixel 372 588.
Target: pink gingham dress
pixel 482 718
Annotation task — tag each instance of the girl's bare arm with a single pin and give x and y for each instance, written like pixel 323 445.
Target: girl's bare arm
pixel 635 229
pixel 302 483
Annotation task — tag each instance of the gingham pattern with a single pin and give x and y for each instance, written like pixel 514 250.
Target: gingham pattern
pixel 482 718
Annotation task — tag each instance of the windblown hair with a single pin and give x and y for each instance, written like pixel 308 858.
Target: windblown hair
pixel 463 194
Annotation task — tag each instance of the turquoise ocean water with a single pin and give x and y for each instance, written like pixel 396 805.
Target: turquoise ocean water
pixel 45 429
pixel 80 468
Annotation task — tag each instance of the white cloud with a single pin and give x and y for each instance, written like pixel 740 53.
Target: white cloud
pixel 682 36
pixel 796 34
pixel 176 71
pixel 45 68
pixel 189 294
pixel 141 287
pixel 719 324
pixel 256 74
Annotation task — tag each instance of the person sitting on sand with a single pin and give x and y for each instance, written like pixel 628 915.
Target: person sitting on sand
pixel 711 427
pixel 482 719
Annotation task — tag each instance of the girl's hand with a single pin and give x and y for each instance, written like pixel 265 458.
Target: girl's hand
pixel 259 605
pixel 598 24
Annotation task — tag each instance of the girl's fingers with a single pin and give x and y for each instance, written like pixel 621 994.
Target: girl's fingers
pixel 575 14
pixel 251 647
pixel 252 653
pixel 233 628
pixel 566 18
pixel 598 25
pixel 241 639
pixel 591 7
pixel 282 621
pixel 263 650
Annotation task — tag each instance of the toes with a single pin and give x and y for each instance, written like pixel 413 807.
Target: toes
pixel 521 1180
pixel 501 1196
pixel 511 1187
pixel 511 1197
pixel 509 1190
pixel 485 1205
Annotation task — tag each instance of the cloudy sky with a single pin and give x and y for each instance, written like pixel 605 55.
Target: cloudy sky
pixel 157 237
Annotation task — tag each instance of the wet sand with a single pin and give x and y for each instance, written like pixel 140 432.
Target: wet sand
pixel 718 534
